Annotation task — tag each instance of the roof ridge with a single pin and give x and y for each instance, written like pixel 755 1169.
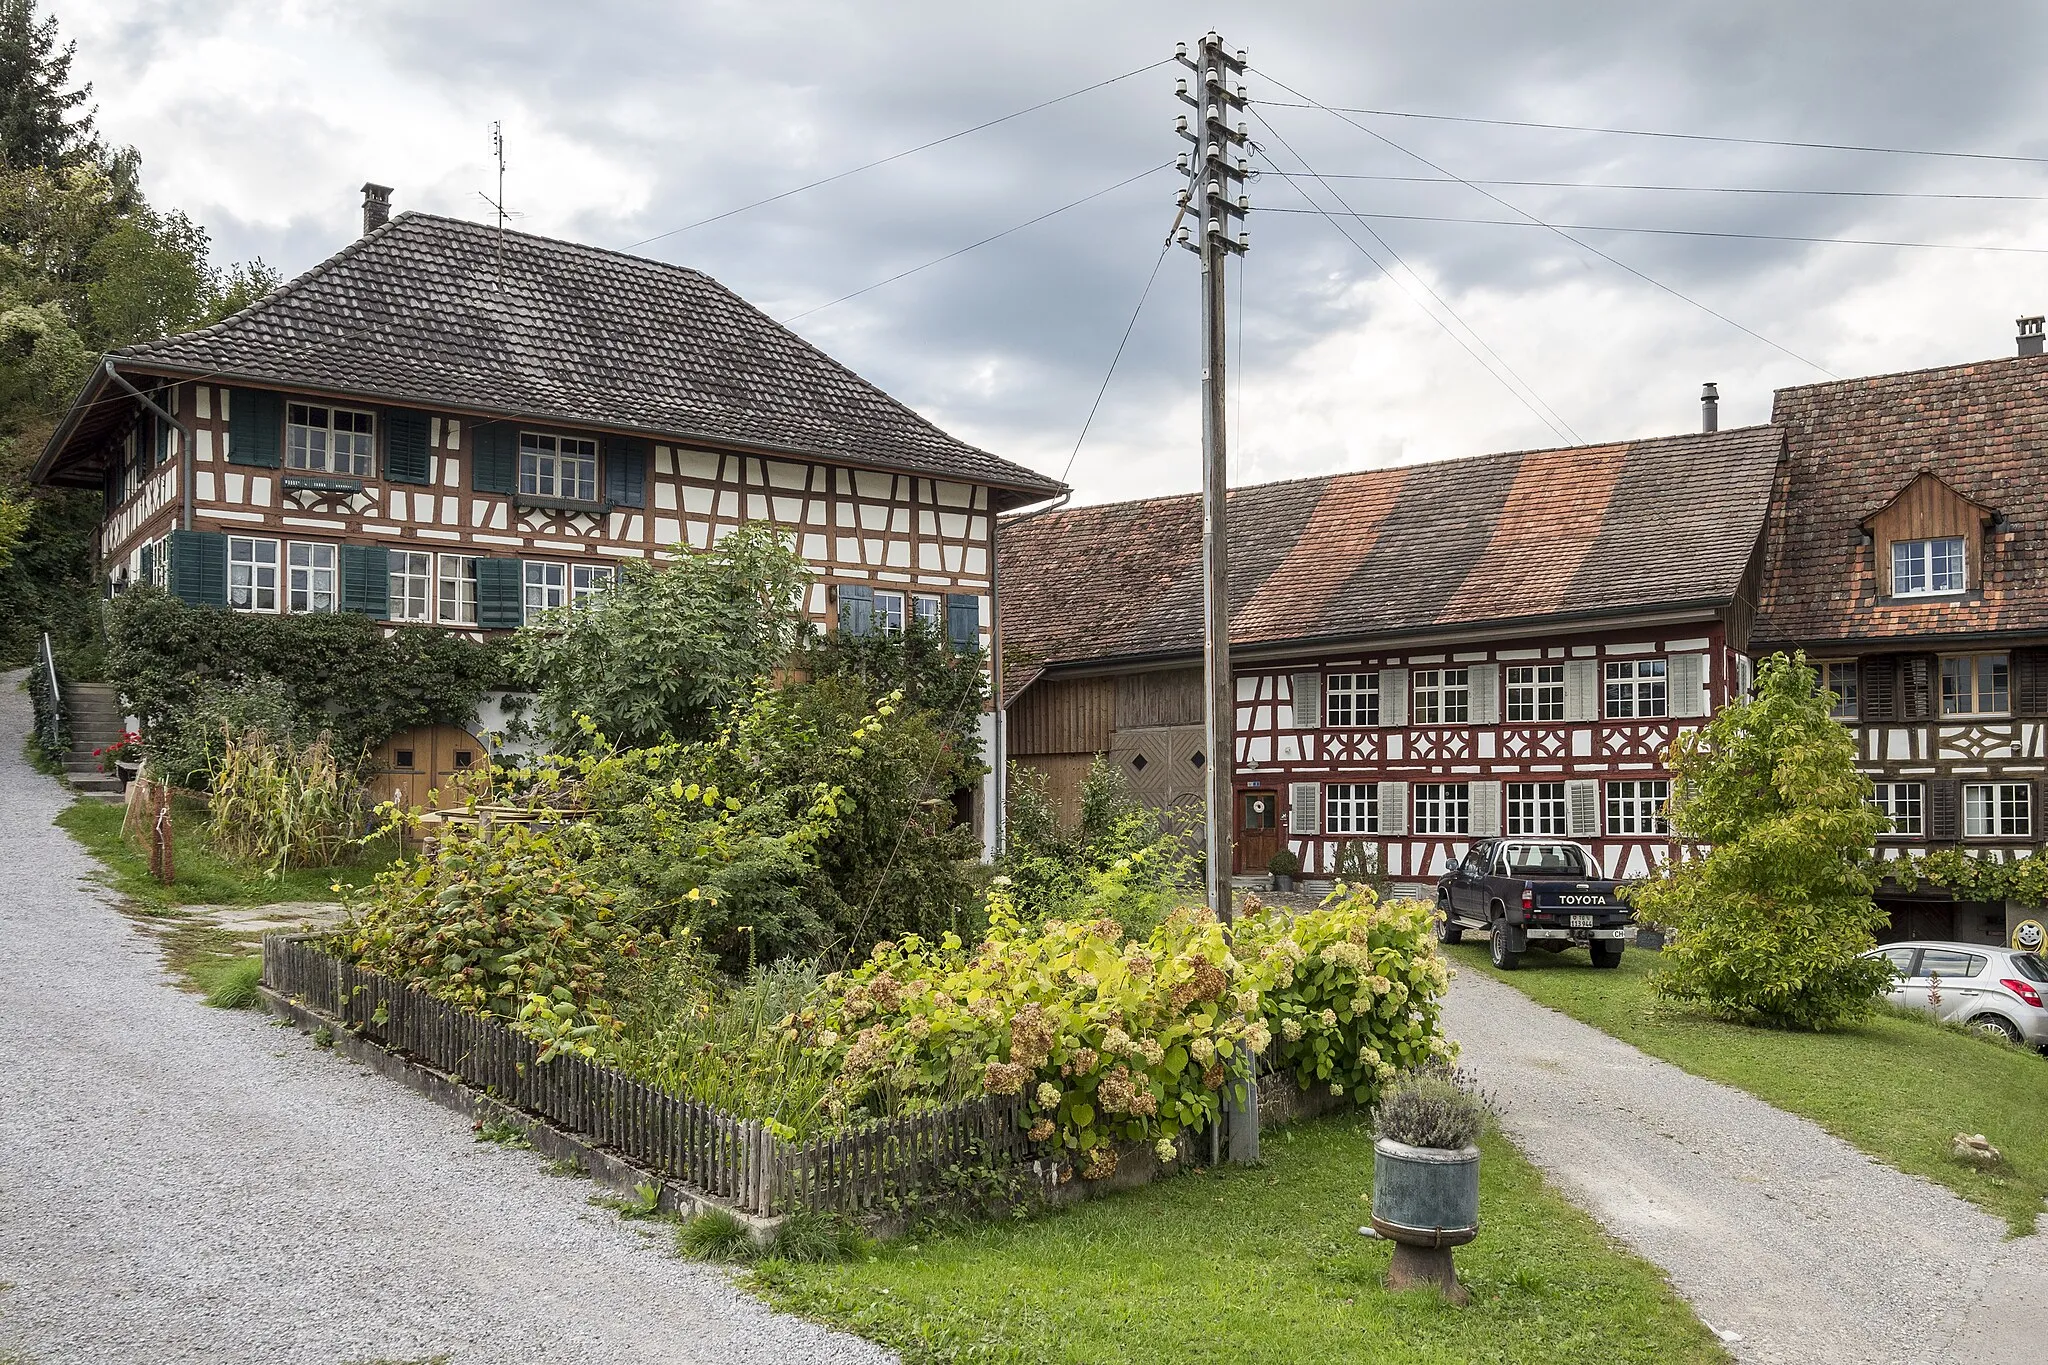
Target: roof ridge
pixel 1862 379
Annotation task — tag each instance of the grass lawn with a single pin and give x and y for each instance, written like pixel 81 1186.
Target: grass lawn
pixel 202 878
pixel 1256 1265
pixel 1899 1087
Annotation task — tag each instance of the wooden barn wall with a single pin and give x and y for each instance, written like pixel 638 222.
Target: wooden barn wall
pixel 1063 716
pixel 1064 774
pixel 1144 700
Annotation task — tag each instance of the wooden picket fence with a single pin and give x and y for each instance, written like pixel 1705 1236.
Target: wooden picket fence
pixel 735 1159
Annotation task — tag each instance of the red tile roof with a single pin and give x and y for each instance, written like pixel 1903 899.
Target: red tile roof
pixel 1580 532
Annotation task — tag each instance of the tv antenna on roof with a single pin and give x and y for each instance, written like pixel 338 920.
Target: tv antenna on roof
pixel 498 153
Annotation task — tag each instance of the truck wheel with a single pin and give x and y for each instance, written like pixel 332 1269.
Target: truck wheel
pixel 1446 930
pixel 1504 956
pixel 1607 954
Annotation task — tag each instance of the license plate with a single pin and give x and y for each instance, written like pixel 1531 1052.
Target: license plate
pixel 1582 921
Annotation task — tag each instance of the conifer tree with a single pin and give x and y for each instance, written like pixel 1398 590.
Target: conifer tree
pixel 37 127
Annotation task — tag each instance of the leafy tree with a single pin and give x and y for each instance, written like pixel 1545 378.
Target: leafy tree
pixel 1771 905
pixel 13 523
pixel 919 662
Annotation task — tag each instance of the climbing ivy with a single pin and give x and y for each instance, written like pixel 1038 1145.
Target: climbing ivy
pixel 1971 876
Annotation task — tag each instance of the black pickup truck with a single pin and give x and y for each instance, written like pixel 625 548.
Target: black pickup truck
pixel 1533 893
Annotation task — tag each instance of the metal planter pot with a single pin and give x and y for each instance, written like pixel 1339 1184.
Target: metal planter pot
pixel 1425 1196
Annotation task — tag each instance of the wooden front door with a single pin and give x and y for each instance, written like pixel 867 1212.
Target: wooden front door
pixel 423 759
pixel 1258 829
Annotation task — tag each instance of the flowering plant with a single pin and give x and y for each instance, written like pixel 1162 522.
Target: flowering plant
pixel 126 749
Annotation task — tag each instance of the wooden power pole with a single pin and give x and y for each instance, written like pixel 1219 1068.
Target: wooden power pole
pixel 1215 199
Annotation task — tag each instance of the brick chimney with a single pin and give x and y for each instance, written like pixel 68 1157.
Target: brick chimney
pixel 376 207
pixel 1710 407
pixel 2030 336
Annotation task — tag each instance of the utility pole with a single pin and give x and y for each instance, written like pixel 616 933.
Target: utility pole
pixel 1215 198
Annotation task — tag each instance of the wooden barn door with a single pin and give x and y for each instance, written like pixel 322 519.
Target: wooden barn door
pixel 1258 828
pixel 423 759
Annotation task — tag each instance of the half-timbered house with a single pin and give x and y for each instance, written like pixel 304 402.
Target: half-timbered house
pixel 1423 656
pixel 1908 556
pixel 449 424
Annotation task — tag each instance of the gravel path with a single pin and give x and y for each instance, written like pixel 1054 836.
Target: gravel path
pixel 185 1184
pixel 1792 1244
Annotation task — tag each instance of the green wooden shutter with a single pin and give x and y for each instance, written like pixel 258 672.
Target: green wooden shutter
pixel 499 603
pixel 494 458
pixel 255 428
pixel 856 609
pixel 199 567
pixel 366 580
pixel 147 572
pixel 406 455
pixel 625 471
pixel 963 622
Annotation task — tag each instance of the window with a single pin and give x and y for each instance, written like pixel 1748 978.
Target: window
pixel 1901 960
pixel 1637 807
pixel 1921 568
pixel 889 613
pixel 1536 693
pixel 327 440
pixel 1536 808
pixel 557 467
pixel 1998 810
pixel 587 581
pixel 1950 964
pixel 1351 699
pixel 1904 804
pixel 1635 689
pixel 547 587
pixel 458 590
pixel 1544 860
pixel 1351 808
pixel 1975 685
pixel 1440 696
pixel 929 612
pixel 310 583
pixel 1840 678
pixel 1443 807
pixel 252 574
pixel 412 587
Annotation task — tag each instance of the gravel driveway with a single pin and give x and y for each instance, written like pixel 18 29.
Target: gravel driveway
pixel 1777 1233
pixel 185 1184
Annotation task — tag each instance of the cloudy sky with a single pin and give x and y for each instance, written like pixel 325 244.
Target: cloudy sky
pixel 623 122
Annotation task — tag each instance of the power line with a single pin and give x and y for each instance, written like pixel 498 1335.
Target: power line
pixel 1526 395
pixel 994 236
pixel 1680 232
pixel 1143 294
pixel 1645 132
pixel 898 156
pixel 1681 189
pixel 1587 247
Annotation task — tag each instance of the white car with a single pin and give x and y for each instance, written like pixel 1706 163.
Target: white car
pixel 1999 990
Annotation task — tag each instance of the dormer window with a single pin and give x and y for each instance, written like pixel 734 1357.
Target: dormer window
pixel 1922 568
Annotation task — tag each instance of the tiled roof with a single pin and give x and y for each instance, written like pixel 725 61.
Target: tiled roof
pixel 1579 532
pixel 1853 446
pixel 435 310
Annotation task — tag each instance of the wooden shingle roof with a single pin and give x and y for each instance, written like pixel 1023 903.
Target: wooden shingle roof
pixel 440 312
pixel 1581 532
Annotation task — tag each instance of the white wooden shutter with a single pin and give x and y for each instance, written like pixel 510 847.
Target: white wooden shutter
pixel 1304 808
pixel 1485 810
pixel 1582 800
pixel 1685 682
pixel 1485 679
pixel 1582 689
pixel 1393 696
pixel 1393 805
pixel 1307 690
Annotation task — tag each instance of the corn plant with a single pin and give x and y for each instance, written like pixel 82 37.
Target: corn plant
pixel 282 805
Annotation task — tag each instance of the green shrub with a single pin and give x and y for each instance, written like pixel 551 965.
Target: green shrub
pixel 1121 858
pixel 813 1236
pixel 280 805
pixel 184 747
pixel 1285 863
pixel 714 1235
pixel 230 983
pixel 1770 908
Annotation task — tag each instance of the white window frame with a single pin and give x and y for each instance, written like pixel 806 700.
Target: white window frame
pixel 1998 810
pixel 1979 676
pixel 1848 696
pixel 928 609
pixel 543 586
pixel 303 580
pixel 1930 568
pixel 1535 693
pixel 1635 806
pixel 888 616
pixel 1351 808
pixel 1440 807
pixel 346 447
pixel 1351 700
pixel 412 585
pixel 1440 696
pixel 587 581
pixel 1905 805
pixel 1632 687
pixel 259 574
pixel 455 590
pixel 563 467
pixel 1537 809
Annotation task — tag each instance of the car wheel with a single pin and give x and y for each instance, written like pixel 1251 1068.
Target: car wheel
pixel 2003 1029
pixel 1504 955
pixel 1607 954
pixel 1446 931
